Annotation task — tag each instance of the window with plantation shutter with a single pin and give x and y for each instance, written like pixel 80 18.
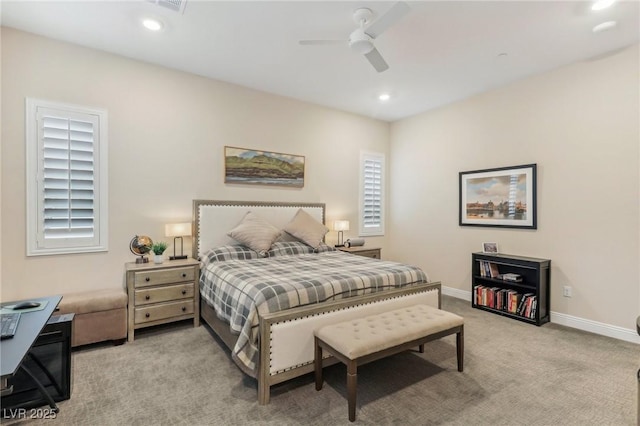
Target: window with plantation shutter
pixel 66 178
pixel 371 194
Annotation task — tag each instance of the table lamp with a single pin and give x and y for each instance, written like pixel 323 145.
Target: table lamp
pixel 177 231
pixel 340 226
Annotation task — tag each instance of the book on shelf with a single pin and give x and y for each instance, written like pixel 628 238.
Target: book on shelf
pixel 488 269
pixel 526 299
pixel 483 270
pixel 534 305
pixel 494 297
pixel 482 295
pixel 514 300
pixel 493 270
pixel 527 309
pixel 516 278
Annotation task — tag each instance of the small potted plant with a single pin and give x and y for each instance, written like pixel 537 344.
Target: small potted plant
pixel 157 249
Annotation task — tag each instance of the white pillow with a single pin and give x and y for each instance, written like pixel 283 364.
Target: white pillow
pixel 306 228
pixel 255 233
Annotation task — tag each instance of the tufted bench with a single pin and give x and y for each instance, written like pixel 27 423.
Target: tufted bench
pixel 367 339
pixel 100 315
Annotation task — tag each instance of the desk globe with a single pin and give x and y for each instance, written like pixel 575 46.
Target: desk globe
pixel 140 245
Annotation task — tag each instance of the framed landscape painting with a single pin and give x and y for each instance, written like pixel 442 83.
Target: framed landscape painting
pixel 250 166
pixel 503 197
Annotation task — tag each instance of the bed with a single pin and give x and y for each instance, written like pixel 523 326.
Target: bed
pixel 265 306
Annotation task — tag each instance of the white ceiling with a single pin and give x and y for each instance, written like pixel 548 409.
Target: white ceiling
pixel 442 51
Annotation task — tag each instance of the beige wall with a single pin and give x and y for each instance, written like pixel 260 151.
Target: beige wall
pixel 580 124
pixel 167 131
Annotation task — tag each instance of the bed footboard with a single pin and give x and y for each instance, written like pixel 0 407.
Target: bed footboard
pixel 286 338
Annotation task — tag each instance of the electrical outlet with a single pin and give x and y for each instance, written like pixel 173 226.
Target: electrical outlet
pixel 566 291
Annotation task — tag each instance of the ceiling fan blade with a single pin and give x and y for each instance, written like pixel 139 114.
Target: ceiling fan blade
pixel 392 15
pixel 375 58
pixel 320 42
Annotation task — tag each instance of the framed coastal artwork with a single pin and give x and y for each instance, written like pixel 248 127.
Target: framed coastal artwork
pixel 504 197
pixel 254 167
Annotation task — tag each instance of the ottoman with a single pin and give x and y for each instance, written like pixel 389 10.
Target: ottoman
pixel 101 315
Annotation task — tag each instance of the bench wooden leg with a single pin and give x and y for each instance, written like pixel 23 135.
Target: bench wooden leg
pixel 460 348
pixel 421 348
pixel 352 387
pixel 317 361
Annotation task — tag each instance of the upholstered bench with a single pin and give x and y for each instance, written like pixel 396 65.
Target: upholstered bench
pixel 367 339
pixel 100 315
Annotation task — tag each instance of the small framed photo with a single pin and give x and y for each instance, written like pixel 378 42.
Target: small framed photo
pixel 490 247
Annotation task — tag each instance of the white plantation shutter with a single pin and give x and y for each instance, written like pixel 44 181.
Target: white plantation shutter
pixel 67 198
pixel 372 194
pixel 67 158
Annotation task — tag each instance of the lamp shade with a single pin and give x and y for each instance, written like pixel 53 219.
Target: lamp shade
pixel 177 229
pixel 341 225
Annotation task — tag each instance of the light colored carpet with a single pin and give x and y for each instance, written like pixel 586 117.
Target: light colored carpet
pixel 514 374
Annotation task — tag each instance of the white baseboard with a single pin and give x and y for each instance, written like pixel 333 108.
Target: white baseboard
pixel 458 294
pixel 620 333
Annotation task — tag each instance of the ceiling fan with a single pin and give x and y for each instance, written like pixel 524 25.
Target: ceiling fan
pixel 362 39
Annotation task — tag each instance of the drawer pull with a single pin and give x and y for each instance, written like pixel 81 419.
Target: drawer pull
pixel 184 275
pixel 184 308
pixel 147 297
pixel 147 315
pixel 184 292
pixel 147 279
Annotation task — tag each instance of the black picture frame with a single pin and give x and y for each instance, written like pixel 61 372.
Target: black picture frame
pixel 500 197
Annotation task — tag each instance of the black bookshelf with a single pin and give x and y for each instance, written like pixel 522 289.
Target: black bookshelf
pixel 525 300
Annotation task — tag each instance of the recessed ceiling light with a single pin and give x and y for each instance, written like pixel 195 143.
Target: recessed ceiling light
pixel 152 24
pixel 601 4
pixel 604 26
pixel 384 97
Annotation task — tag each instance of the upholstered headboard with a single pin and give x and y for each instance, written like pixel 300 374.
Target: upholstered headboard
pixel 212 219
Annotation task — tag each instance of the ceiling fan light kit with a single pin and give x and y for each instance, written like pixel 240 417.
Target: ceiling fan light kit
pixel 360 42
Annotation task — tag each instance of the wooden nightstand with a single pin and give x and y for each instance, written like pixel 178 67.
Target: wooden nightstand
pixel 162 293
pixel 373 252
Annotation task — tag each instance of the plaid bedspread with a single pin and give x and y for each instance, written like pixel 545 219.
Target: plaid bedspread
pixel 242 290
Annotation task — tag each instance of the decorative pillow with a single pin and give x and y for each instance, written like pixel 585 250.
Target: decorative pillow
pixel 307 229
pixel 255 233
pixel 322 248
pixel 220 254
pixel 285 248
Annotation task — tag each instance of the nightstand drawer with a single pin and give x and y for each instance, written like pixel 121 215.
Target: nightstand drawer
pixel 375 253
pixel 163 276
pixel 372 252
pixel 164 310
pixel 164 294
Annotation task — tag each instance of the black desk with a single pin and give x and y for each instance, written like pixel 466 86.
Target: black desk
pixel 14 350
